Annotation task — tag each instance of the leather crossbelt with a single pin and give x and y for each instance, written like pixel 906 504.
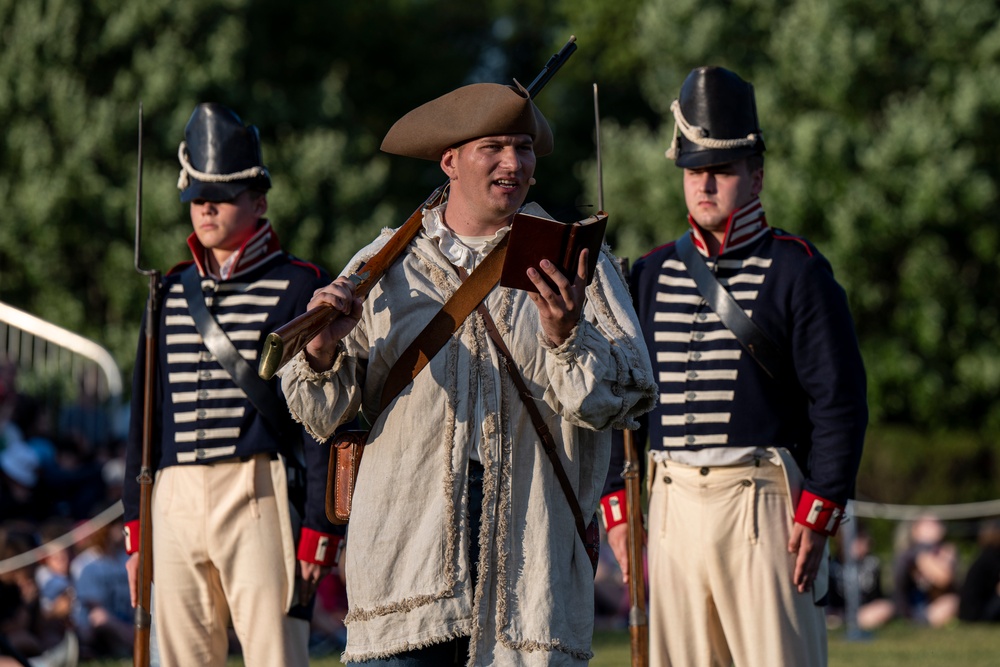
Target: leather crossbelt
pixel 753 339
pixel 440 329
pixel 267 403
pixel 445 323
pixel 545 436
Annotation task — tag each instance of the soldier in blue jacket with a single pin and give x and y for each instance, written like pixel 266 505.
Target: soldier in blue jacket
pixel 240 534
pixel 755 442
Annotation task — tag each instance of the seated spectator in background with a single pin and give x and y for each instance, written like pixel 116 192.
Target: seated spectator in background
pixel 979 599
pixel 103 610
pixel 23 628
pixel 874 608
pixel 18 593
pixel 18 478
pixel 52 577
pixel 32 420
pixel 924 575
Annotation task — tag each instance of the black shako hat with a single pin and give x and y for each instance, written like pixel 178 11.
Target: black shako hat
pixel 220 158
pixel 715 120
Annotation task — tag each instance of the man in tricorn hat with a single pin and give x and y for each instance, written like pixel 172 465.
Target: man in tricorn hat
pixel 239 530
pixel 463 548
pixel 755 443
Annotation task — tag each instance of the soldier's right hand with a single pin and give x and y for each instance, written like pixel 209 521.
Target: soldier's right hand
pixel 618 541
pixel 321 351
pixel 132 568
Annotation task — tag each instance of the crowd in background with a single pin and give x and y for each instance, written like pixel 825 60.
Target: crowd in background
pixel 56 472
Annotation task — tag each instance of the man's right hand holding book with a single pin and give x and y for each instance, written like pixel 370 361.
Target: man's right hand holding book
pixel 560 310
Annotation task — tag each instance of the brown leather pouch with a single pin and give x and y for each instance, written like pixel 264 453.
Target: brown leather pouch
pixel 342 474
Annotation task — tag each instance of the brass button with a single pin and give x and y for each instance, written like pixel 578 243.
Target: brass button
pixel 746 482
pixel 704 471
pixel 667 480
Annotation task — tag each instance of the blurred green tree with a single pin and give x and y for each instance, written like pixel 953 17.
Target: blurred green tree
pixel 881 122
pixel 323 81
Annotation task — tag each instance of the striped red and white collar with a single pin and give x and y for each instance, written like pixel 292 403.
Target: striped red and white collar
pixel 258 249
pixel 744 226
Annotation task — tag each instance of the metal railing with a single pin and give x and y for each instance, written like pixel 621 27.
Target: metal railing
pixel 76 378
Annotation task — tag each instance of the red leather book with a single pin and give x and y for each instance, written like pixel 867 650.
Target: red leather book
pixel 533 238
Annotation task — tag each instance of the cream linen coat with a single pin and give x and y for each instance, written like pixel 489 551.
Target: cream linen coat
pixel 408 581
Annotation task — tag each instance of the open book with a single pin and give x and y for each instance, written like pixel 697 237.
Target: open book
pixel 534 238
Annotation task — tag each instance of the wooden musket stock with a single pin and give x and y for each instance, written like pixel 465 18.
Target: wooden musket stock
pixel 143 617
pixel 287 341
pixel 638 624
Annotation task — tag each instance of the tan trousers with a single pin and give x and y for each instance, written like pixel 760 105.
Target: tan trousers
pixel 720 574
pixel 222 548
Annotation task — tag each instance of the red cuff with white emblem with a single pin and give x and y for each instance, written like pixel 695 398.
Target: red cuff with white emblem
pixel 131 531
pixel 820 514
pixel 319 548
pixel 613 509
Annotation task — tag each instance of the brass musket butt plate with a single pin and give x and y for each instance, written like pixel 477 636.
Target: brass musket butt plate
pixel 270 356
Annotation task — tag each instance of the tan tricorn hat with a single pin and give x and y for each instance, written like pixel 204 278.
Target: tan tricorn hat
pixel 470 112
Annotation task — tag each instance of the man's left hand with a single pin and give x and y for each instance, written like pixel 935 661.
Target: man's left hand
pixel 310 574
pixel 559 310
pixel 809 545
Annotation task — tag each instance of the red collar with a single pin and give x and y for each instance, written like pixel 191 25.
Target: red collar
pixel 257 250
pixel 744 226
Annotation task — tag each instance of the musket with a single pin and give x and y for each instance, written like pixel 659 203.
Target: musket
pixel 287 341
pixel 143 617
pixel 638 620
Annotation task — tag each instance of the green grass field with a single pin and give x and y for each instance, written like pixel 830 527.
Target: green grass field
pixel 896 645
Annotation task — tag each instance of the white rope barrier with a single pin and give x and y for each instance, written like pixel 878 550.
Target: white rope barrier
pixel 906 512
pixel 869 510
pixel 63 541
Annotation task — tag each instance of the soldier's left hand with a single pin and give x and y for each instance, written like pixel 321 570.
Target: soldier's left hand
pixel 808 545
pixel 559 310
pixel 310 574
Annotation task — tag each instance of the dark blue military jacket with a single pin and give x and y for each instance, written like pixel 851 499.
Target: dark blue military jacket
pixel 201 415
pixel 713 393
